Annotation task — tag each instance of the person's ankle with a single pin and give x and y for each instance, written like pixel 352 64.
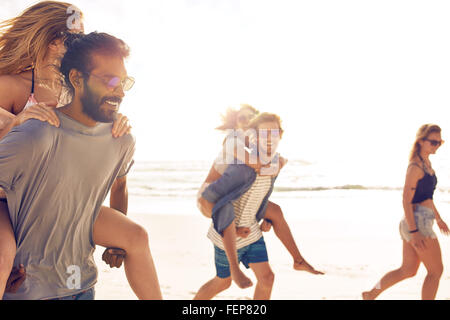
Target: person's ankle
pixel 299 260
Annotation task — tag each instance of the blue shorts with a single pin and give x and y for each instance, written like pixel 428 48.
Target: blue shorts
pixel 253 253
pixel 89 294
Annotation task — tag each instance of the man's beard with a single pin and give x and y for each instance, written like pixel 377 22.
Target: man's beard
pixel 92 107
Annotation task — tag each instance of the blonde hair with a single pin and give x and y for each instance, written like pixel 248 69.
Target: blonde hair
pixel 423 133
pixel 24 39
pixel 230 118
pixel 265 117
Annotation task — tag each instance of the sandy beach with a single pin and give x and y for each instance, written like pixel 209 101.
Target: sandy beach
pixel 354 245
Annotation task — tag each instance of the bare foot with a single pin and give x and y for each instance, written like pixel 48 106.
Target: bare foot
pixel 241 279
pixel 242 232
pixel 302 265
pixel 368 295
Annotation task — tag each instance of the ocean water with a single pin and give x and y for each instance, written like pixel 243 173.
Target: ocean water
pixel 171 187
pixel 181 179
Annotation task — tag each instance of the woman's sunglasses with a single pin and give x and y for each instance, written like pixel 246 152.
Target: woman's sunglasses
pixel 435 143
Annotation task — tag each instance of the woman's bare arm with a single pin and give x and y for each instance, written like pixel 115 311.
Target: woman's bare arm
pixel 413 175
pixel 10 92
pixel 7 94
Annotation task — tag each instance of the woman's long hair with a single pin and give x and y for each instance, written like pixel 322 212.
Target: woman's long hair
pixel 423 133
pixel 230 118
pixel 24 39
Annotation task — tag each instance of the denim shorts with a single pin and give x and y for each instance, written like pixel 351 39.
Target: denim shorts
pixel 88 294
pixel 253 253
pixel 424 218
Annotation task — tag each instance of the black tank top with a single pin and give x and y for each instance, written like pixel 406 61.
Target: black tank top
pixel 425 187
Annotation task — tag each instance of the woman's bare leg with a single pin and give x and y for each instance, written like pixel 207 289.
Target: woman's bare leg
pixel 7 246
pixel 229 243
pixel 114 229
pixel 432 259
pixel 409 268
pixel 283 232
pixel 212 288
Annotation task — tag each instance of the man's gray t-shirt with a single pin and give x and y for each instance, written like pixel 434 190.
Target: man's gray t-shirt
pixel 56 180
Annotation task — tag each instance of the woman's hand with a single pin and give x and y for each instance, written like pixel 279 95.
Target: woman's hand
pixel 443 227
pixel 41 111
pixel 266 226
pixel 121 126
pixel 418 241
pixel 255 166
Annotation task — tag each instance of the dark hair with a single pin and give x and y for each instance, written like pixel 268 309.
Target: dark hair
pixel 80 48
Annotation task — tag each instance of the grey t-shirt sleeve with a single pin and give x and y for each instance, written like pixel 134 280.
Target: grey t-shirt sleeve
pixel 128 160
pixel 125 168
pixel 16 149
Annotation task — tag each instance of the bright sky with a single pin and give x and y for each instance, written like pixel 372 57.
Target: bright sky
pixel 352 80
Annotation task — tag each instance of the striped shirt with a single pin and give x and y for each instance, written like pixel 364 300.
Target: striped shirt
pixel 245 210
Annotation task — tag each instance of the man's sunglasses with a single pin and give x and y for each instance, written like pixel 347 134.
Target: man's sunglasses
pixel 435 143
pixel 113 82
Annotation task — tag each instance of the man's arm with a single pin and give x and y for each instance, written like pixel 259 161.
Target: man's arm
pixel 118 200
pixel 119 195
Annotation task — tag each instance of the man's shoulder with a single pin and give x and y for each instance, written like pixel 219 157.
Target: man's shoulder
pixel 37 127
pixel 28 137
pixel 36 130
pixel 127 140
pixel 127 144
